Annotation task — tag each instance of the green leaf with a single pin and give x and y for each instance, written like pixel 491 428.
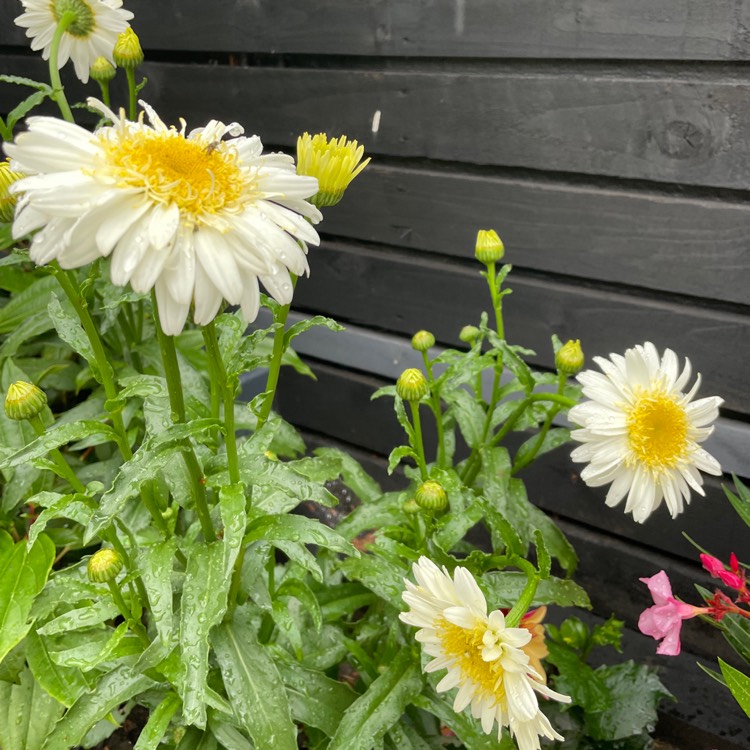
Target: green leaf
pixel 577 679
pixel 554 438
pixel 6 230
pixel 297 529
pixel 204 602
pixel 354 476
pixel 28 303
pixel 398 454
pixel 469 415
pixel 70 330
pixel 738 683
pixel 368 719
pixel 303 593
pixel 64 684
pixel 23 574
pixel 254 687
pixel 21 81
pixel 505 588
pixel 740 501
pixel 158 721
pixel 232 505
pixel 115 687
pixel 305 325
pixel 155 562
pixel 75 507
pixel 379 575
pixel 87 616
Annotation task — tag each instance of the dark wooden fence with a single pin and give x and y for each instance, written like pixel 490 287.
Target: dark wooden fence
pixel 608 142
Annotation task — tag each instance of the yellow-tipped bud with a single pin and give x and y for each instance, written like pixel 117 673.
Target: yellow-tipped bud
pixel 422 341
pixel 489 247
pixel 127 52
pixel 24 400
pixel 431 496
pixel 469 334
pixel 334 163
pixel 412 385
pixel 104 565
pixel 569 358
pixel 7 199
pixel 102 70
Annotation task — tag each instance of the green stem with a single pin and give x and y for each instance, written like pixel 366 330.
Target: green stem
pixel 177 404
pixel 521 607
pixel 227 389
pixel 132 103
pixel 418 439
pixel 147 495
pixel 57 458
pixel 104 86
pixel 58 92
pixel 135 626
pixel 435 405
pixel 69 284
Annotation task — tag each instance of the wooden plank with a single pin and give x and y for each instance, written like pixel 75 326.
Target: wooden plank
pixel 629 29
pixel 645 239
pixel 402 293
pixel 666 129
pixel 338 406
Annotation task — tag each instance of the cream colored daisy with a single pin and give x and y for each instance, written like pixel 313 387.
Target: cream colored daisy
pixel 484 658
pixel 642 433
pixel 92 34
pixel 194 216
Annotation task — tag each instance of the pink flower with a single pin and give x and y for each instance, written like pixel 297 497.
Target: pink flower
pixel 664 620
pixel 733 578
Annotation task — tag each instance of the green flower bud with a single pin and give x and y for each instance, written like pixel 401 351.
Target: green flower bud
pixel 489 247
pixel 422 341
pixel 431 496
pixel 569 358
pixel 410 507
pixel 469 334
pixel 412 385
pixel 7 199
pixel 104 565
pixel 102 70
pixel 127 53
pixel 24 401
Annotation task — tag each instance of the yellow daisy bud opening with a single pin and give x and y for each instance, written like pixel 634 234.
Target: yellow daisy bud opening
pixel 422 341
pixel 334 163
pixel 412 385
pixel 469 334
pixel 104 565
pixel 127 52
pixel 102 70
pixel 489 247
pixel 431 496
pixel 7 199
pixel 569 358
pixel 24 401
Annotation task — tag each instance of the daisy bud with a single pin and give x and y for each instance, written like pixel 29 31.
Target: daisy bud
pixel 469 334
pixel 410 507
pixel 334 163
pixel 7 199
pixel 489 247
pixel 412 385
pixel 431 496
pixel 102 71
pixel 569 358
pixel 104 565
pixel 127 53
pixel 421 341
pixel 24 401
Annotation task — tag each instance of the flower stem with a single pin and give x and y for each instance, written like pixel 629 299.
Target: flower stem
pixel 435 405
pixel 134 625
pixel 521 607
pixel 57 458
pixel 104 86
pixel 418 439
pixel 69 284
pixel 58 92
pixel 132 103
pixel 177 404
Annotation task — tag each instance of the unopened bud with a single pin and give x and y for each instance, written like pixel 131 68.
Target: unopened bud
pixel 431 496
pixel 104 565
pixel 469 334
pixel 102 70
pixel 410 507
pixel 489 247
pixel 24 401
pixel 422 341
pixel 7 199
pixel 127 52
pixel 412 385
pixel 569 358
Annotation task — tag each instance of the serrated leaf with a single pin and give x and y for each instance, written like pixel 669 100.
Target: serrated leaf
pixel 368 719
pixel 254 687
pixel 738 684
pixel 505 588
pixel 297 529
pixel 578 680
pixel 379 575
pixel 468 414
pixel 75 507
pixel 21 81
pixel 354 475
pixel 398 454
pixel 28 303
pixel 23 574
pixel 305 325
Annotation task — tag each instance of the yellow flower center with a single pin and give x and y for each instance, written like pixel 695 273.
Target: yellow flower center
pixel 465 646
pixel 201 180
pixel 658 430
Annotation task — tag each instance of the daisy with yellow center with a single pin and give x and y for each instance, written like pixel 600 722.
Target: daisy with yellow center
pixel 642 433
pixel 199 216
pixel 485 659
pixel 92 33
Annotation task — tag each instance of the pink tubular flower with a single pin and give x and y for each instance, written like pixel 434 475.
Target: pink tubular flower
pixel 733 578
pixel 664 620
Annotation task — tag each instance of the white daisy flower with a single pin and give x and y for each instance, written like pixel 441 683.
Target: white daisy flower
pixel 92 34
pixel 642 433
pixel 198 218
pixel 484 658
